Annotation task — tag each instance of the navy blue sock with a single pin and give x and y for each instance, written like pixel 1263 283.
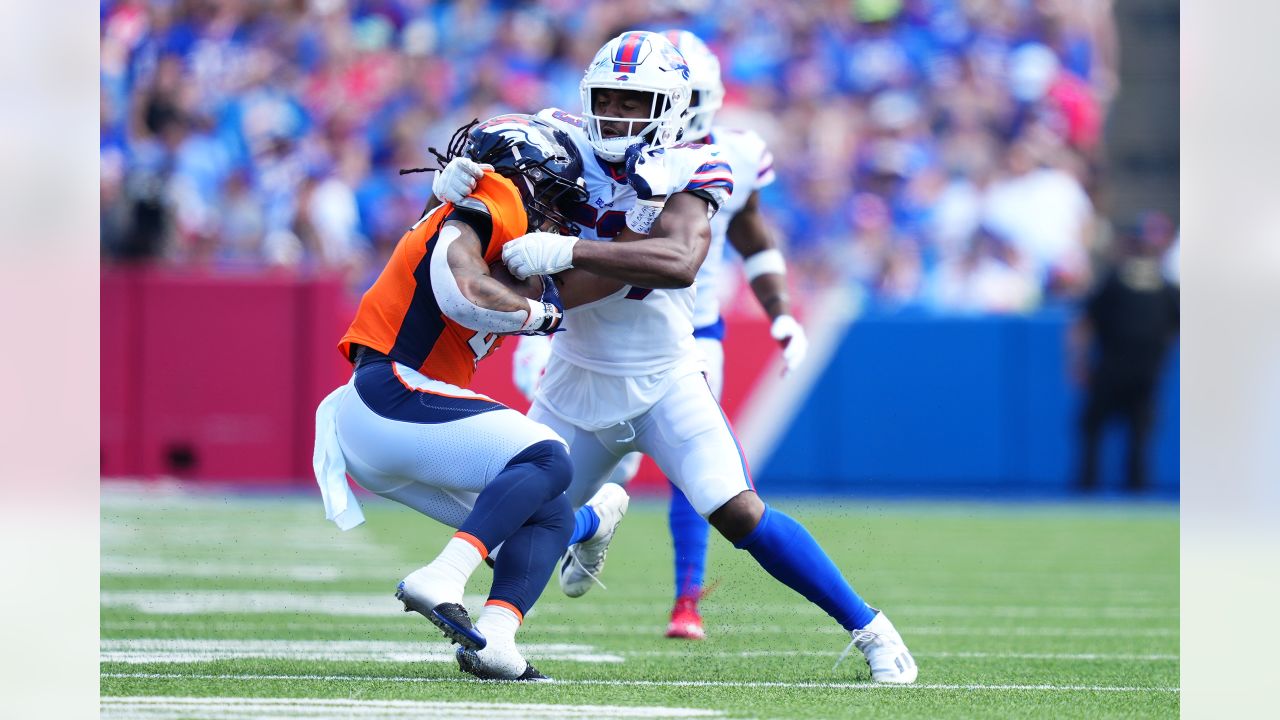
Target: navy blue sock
pixel 789 553
pixel 689 534
pixel 585 524
pixel 529 556
pixel 535 476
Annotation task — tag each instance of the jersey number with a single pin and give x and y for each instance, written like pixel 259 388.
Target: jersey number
pixel 606 224
pixel 482 344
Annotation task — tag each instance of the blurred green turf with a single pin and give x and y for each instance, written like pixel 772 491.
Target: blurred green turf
pixel 1010 610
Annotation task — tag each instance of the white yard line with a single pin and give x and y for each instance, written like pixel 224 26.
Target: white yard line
pixel 124 565
pixel 165 650
pixel 195 651
pixel 199 602
pixel 1102 657
pixel 672 683
pixel 252 709
pixel 257 602
pixel 238 708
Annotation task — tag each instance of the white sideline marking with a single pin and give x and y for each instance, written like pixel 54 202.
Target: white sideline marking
pixel 233 708
pixel 194 651
pixel 668 683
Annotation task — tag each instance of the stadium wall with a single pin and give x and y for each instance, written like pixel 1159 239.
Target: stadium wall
pixel 216 377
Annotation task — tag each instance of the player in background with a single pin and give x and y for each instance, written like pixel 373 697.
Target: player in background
pixel 628 376
pixel 739 222
pixel 407 428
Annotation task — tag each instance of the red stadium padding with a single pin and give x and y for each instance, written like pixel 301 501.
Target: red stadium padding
pixel 217 377
pixel 119 324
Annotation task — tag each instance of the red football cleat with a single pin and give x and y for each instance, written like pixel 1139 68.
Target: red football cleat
pixel 686 623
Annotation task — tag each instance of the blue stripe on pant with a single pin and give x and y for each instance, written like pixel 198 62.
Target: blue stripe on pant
pixel 385 394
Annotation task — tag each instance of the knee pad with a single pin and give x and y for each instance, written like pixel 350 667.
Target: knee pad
pixel 552 458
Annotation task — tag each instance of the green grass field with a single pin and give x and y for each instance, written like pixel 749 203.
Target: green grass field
pixel 250 607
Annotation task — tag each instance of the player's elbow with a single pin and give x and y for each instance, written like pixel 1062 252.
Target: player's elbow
pixel 684 275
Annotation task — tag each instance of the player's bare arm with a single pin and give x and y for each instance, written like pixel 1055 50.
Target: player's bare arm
pixel 749 235
pixel 766 270
pixel 668 258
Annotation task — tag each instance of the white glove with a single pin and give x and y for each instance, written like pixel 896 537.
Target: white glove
pixel 532 354
pixel 790 335
pixel 538 253
pixel 647 172
pixel 458 179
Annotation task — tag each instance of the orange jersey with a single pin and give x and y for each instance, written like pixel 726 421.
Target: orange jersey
pixel 399 316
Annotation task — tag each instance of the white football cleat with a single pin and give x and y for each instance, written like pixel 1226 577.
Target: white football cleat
pixel 439 601
pixel 887 654
pixel 584 561
pixel 499 660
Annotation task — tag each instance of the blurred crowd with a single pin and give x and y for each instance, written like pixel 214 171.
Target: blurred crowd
pixel 943 153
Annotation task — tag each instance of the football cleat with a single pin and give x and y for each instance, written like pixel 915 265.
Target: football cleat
pixel 498 661
pixel 450 617
pixel 584 561
pixel 686 623
pixel 887 654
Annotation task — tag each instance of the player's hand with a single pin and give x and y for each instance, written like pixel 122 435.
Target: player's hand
pixel 790 335
pixel 458 179
pixel 538 253
pixel 646 171
pixel 546 313
pixel 527 363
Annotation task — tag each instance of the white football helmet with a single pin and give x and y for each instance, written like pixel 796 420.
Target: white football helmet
pixel 704 80
pixel 643 62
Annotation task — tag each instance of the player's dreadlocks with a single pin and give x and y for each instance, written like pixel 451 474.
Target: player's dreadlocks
pixel 456 145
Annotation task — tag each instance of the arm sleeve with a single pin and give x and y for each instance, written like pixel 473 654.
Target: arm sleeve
pixel 457 307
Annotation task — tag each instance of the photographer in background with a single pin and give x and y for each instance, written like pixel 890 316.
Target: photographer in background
pixel 1118 347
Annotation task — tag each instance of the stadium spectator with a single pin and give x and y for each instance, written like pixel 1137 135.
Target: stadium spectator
pixel 242 133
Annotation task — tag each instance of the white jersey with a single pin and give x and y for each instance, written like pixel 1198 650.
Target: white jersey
pixel 637 335
pixel 752 165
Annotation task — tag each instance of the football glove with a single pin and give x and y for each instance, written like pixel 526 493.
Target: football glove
pixel 539 253
pixel 790 335
pixel 545 313
pixel 458 179
pixel 647 172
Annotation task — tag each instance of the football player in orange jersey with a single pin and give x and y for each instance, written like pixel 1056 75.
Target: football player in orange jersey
pixel 407 428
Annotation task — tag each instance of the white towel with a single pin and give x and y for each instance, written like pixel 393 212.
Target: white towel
pixel 340 503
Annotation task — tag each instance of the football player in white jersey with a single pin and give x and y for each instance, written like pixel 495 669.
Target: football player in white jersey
pixel 626 374
pixel 741 224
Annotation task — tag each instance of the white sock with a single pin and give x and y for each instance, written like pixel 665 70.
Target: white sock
pixel 446 577
pixel 498 623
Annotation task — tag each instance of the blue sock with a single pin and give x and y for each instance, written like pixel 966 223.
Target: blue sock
pixel 533 478
pixel 585 524
pixel 689 538
pixel 529 556
pixel 789 553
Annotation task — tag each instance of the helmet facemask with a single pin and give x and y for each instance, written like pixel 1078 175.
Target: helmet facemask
pixel 639 62
pixel 548 198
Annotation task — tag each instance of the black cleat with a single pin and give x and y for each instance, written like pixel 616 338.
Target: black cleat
pixel 469 662
pixel 451 618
